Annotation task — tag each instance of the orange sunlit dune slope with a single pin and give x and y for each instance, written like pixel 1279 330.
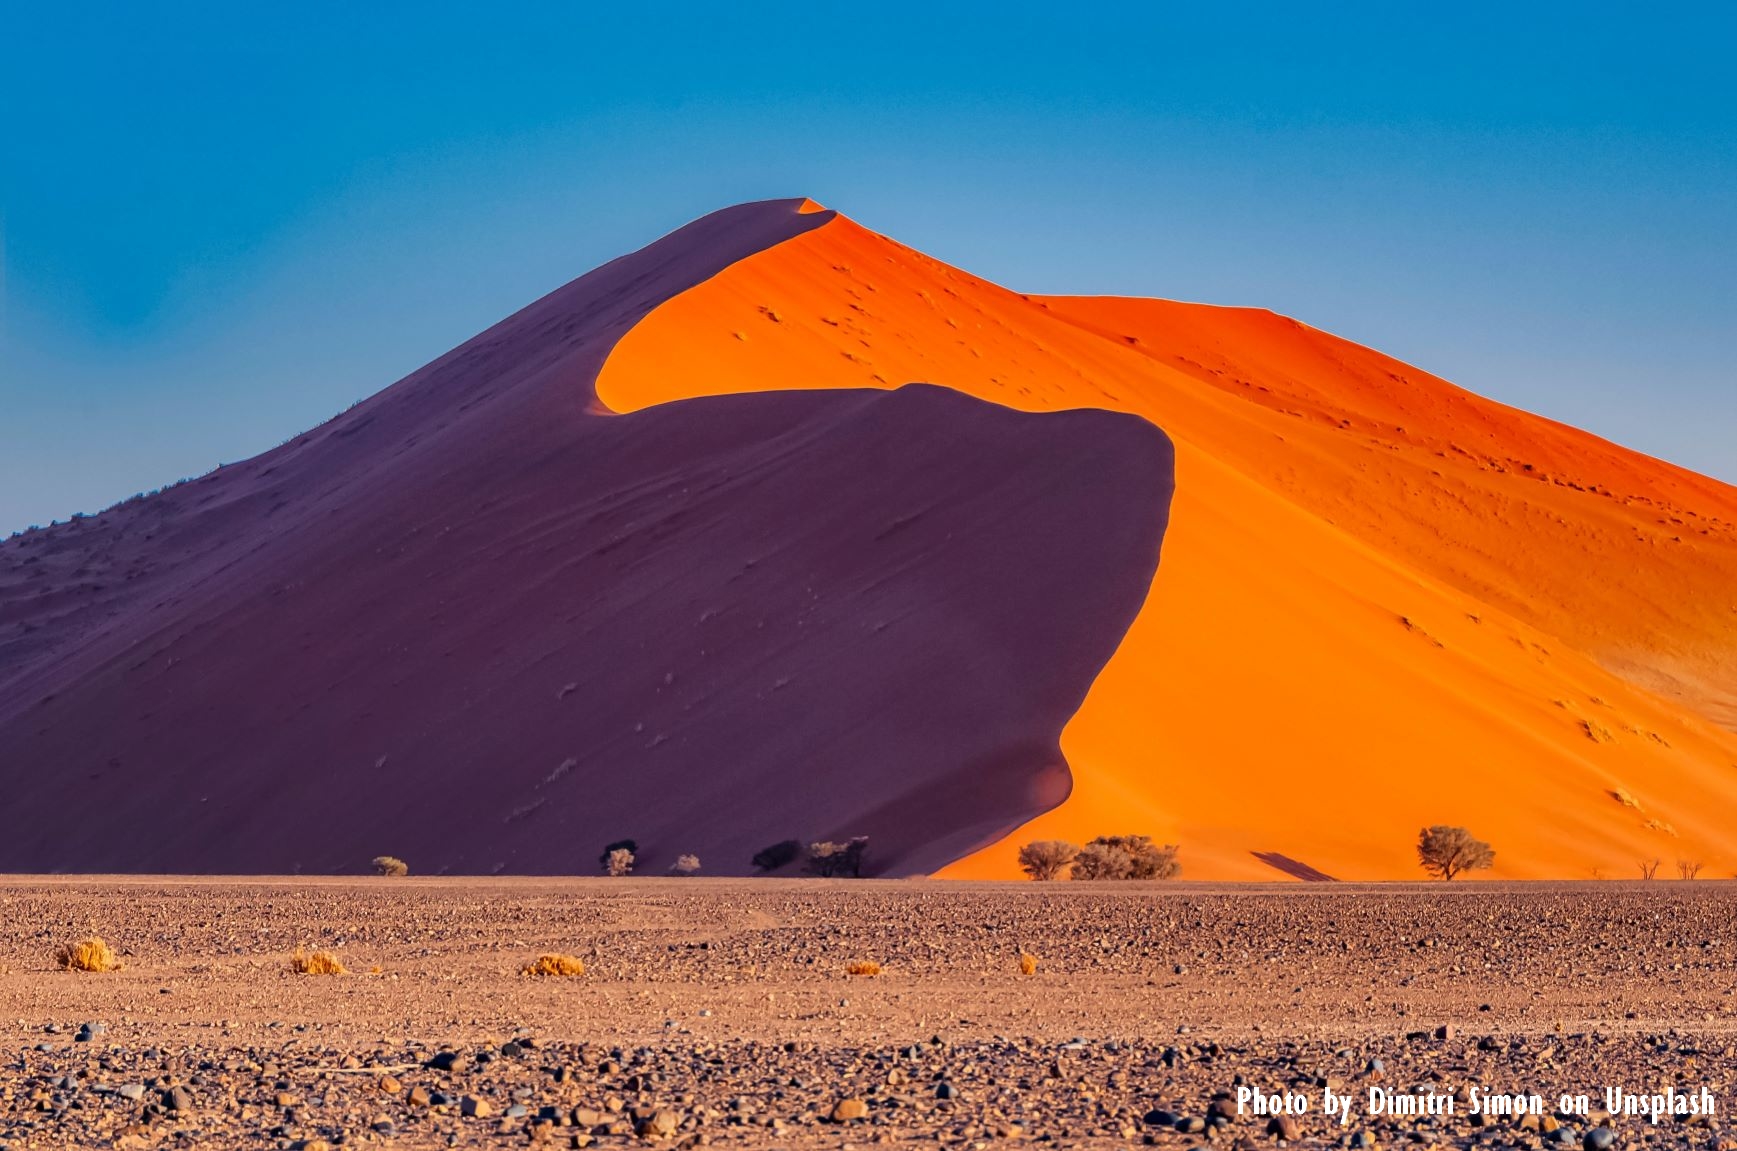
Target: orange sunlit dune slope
pixel 1383 601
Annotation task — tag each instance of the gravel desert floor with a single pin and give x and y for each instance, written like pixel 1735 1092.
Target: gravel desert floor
pixel 723 1012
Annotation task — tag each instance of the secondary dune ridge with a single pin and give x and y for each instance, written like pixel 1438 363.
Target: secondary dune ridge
pixel 482 623
pixel 1384 601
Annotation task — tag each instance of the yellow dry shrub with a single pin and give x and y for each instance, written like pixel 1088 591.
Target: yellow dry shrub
pixel 315 963
pixel 554 964
pixel 1027 963
pixel 88 955
pixel 862 967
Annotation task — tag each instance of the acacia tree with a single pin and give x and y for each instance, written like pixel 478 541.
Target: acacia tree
pixel 1046 858
pixel 1146 860
pixel 1101 860
pixel 1446 851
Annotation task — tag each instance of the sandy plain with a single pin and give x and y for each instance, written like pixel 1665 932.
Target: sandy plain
pixel 720 1011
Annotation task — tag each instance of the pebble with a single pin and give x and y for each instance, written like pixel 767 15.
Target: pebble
pixel 660 1124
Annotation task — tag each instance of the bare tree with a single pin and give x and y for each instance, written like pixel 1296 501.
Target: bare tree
pixel 1649 870
pixel 1688 869
pixel 685 865
pixel 1046 859
pixel 1446 851
pixel 619 863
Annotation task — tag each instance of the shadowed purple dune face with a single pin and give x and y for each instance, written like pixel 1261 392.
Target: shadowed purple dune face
pixel 480 624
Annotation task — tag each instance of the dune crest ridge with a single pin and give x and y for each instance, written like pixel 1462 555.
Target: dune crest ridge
pixel 485 625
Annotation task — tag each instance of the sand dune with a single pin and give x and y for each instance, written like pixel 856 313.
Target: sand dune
pixel 481 623
pixel 675 553
pixel 1384 601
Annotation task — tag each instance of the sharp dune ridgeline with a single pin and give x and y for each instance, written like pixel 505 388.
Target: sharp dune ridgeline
pixel 1385 602
pixel 779 529
pixel 482 622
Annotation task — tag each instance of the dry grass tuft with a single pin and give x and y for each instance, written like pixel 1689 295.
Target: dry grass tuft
pixel 315 963
pixel 1027 963
pixel 88 955
pixel 867 967
pixel 553 964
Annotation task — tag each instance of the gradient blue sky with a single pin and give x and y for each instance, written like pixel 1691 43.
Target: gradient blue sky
pixel 223 223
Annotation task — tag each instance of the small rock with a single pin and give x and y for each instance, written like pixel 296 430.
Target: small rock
pixel 133 1091
pixel 475 1108
pixel 945 1090
pixel 390 1085
pixel 1284 1127
pixel 848 1109
pixel 178 1099
pixel 1599 1139
pixel 661 1124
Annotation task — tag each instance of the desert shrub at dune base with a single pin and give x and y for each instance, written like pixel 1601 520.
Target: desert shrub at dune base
pixel 1099 860
pixel 780 854
pixel 618 862
pixel 1046 859
pixel 390 865
pixel 838 860
pixel 1027 963
pixel 88 955
pixel 1126 857
pixel 866 968
pixel 1146 860
pixel 631 846
pixel 315 963
pixel 1445 851
pixel 555 964
pixel 685 865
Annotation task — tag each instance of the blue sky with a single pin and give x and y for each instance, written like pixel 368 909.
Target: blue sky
pixel 223 223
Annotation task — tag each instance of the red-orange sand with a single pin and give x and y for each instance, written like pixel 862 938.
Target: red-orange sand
pixel 1383 601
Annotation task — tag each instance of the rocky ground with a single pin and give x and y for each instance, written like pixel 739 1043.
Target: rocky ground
pixel 720 1012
